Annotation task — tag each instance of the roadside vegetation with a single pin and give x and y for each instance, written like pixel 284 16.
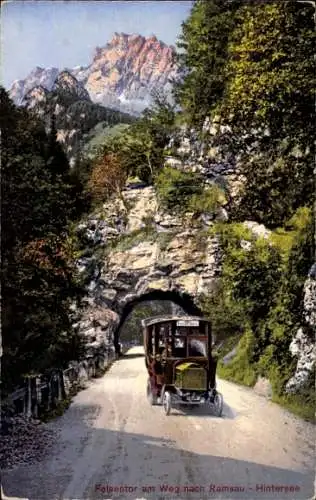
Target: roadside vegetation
pixel 251 66
pixel 39 198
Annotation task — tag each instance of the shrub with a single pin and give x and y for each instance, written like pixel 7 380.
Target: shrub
pixel 250 276
pixel 261 293
pixel 181 192
pixel 176 188
pixel 240 369
pixel 108 176
pixel 226 315
pixel 208 201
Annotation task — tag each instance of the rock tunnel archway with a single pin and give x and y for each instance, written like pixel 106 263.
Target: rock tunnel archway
pixel 183 300
pixel 173 261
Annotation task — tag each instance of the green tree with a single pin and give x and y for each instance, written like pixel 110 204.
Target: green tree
pixel 268 104
pixel 38 274
pixel 202 57
pixel 251 270
pixel 275 187
pixel 141 147
pixel 270 71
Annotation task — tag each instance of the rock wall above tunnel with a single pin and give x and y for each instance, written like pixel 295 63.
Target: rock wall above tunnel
pixel 141 255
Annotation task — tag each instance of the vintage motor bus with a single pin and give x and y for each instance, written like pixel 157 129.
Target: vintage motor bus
pixel 179 361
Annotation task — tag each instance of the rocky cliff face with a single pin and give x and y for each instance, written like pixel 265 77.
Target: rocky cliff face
pixel 205 152
pixel 144 254
pixel 127 70
pixel 122 74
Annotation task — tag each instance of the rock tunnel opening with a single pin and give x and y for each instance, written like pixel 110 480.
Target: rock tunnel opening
pixel 184 301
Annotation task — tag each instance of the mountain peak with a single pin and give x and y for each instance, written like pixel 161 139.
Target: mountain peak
pixel 122 74
pixel 129 67
pixel 66 82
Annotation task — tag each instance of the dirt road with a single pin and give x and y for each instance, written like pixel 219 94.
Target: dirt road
pixel 110 437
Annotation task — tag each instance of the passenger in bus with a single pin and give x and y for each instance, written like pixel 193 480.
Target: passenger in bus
pixel 196 348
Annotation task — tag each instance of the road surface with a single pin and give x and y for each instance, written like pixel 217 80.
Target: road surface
pixel 111 438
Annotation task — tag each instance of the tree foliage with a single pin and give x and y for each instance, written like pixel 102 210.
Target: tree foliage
pixel 141 147
pixel 38 274
pixel 270 71
pixel 269 105
pixel 202 57
pixel 251 66
pixel 108 177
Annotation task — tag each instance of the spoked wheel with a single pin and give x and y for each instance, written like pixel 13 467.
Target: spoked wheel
pixel 218 404
pixel 167 402
pixel 152 399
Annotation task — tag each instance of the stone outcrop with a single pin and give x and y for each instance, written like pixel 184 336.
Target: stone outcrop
pixel 122 75
pixel 147 254
pixel 206 153
pixel 310 298
pixel 303 346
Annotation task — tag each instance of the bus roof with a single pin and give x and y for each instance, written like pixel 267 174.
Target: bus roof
pixel 162 319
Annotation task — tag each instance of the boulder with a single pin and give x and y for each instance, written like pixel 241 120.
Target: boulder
pixel 303 345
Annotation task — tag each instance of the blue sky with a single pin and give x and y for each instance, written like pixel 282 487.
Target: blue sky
pixel 64 33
